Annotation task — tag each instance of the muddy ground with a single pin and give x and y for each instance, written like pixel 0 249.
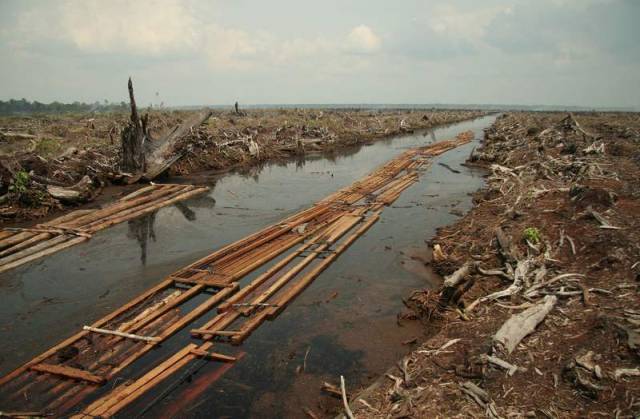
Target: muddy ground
pixel 563 197
pixel 36 151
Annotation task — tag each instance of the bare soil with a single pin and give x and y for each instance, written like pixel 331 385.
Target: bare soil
pixel 577 185
pixel 61 150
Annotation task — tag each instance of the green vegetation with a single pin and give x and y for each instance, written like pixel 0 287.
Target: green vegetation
pixel 531 234
pixel 32 197
pixel 20 182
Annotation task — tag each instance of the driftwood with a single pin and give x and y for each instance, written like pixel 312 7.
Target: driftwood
pixel 520 325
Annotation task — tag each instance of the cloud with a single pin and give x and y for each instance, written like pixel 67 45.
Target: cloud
pixel 579 29
pixel 362 39
pixel 116 26
pixel 445 31
pixel 242 50
pixel 560 51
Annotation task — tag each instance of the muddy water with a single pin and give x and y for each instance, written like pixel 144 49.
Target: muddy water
pixel 344 324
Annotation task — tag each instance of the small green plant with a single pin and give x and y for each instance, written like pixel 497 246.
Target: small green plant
pixel 20 182
pixel 531 234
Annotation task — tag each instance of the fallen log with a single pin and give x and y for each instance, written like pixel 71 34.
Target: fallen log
pixel 451 283
pixel 161 154
pixel 80 192
pixel 518 326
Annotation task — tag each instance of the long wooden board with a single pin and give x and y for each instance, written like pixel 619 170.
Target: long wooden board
pixel 20 246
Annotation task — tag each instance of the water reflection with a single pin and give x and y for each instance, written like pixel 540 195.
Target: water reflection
pixel 188 213
pixel 141 229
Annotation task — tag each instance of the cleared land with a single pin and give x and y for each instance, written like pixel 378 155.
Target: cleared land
pixel 538 314
pixel 64 151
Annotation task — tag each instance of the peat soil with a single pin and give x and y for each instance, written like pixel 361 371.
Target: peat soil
pixel 557 224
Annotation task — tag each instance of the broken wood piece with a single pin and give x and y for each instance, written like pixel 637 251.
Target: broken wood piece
pixel 121 334
pixel 603 221
pixel 310 413
pixel 511 369
pixel 586 361
pixel 213 355
pixel 626 372
pixel 476 393
pixel 331 389
pixel 438 254
pixel 508 251
pixel 343 390
pixel 451 283
pixel 68 372
pixel 162 153
pixel 25 415
pixel 196 332
pixel 518 326
pixel 80 192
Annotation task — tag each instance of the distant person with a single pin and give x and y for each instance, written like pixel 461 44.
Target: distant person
pixel 236 106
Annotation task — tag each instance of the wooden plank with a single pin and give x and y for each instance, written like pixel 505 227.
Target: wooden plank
pixel 213 355
pixel 121 334
pixel 68 372
pixel 71 340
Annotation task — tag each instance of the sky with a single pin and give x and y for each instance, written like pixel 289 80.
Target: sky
pixel 197 52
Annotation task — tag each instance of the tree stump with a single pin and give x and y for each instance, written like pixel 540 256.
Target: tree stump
pixel 133 138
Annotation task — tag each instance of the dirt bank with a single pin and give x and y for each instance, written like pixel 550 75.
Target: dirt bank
pixel 541 318
pixel 62 150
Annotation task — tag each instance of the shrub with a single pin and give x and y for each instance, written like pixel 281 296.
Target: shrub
pixel 531 234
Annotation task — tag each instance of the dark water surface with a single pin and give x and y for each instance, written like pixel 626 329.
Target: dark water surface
pixel 346 320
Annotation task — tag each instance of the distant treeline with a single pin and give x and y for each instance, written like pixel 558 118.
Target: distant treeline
pixel 23 106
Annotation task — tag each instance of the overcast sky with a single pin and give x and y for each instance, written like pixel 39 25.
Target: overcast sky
pixel 558 52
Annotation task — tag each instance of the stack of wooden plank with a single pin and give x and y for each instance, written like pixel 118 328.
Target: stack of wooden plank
pixel 22 245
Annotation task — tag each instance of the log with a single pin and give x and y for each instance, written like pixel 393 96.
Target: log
pixel 451 283
pixel 458 276
pixel 80 192
pixel 518 326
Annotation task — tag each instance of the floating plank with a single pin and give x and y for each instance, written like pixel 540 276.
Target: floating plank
pixel 121 334
pixel 23 245
pixel 213 355
pixel 69 372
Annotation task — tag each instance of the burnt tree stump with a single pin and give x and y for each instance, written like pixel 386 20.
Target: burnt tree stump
pixel 133 139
